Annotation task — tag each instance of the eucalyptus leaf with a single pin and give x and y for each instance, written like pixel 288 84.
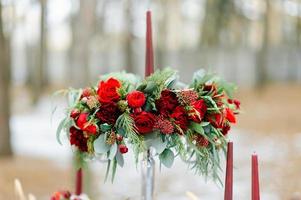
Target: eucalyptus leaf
pixel 151 86
pixel 197 128
pixel 167 158
pixel 105 127
pixel 113 151
pixel 100 144
pixel 158 144
pixel 120 159
pixel 59 130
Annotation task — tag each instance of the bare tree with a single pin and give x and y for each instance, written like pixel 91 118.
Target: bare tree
pixel 217 18
pixel 83 26
pixel 40 71
pixel 262 72
pixel 128 51
pixel 5 145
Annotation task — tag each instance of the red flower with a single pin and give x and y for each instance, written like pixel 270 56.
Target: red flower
pixel 217 119
pixel 210 88
pixel 199 110
pixel 84 125
pixel 180 117
pixel 167 102
pixel 78 139
pixel 123 149
pixel 201 141
pixel 61 194
pixel 164 125
pixel 107 90
pixel 108 113
pixel 136 99
pixel 226 128
pixel 230 116
pixel 144 122
pixel 235 102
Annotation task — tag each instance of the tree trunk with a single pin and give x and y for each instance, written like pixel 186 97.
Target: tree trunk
pixel 40 72
pixel 83 26
pixel 5 145
pixel 128 51
pixel 262 54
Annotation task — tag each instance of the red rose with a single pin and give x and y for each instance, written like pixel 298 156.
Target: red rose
pixel 235 102
pixel 78 139
pixel 167 102
pixel 230 116
pixel 107 90
pixel 136 99
pixel 123 149
pixel 144 122
pixel 108 113
pixel 180 117
pixel 199 111
pixel 84 125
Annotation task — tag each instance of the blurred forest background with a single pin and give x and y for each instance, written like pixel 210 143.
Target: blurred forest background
pixel 46 45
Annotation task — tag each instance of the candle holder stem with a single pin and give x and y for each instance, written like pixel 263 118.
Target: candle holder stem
pixel 148 176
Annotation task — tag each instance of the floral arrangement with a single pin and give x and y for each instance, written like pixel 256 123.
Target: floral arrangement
pixel 66 195
pixel 121 111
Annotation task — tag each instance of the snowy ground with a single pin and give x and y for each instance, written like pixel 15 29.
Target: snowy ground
pixel 279 157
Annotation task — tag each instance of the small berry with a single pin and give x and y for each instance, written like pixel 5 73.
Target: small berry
pixel 74 113
pixel 123 149
pixel 119 138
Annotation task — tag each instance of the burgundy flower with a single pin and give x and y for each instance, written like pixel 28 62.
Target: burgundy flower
pixel 167 102
pixel 164 125
pixel 108 113
pixel 180 117
pixel 78 139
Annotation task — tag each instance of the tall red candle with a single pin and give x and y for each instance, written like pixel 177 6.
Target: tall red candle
pixel 229 173
pixel 78 182
pixel 149 55
pixel 255 178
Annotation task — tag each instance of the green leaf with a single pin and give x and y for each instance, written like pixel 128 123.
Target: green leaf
pixel 114 167
pixel 197 128
pixel 167 158
pixel 108 170
pixel 158 144
pixel 113 151
pixel 150 87
pixel 105 127
pixel 205 124
pixel 59 130
pixel 100 144
pixel 120 159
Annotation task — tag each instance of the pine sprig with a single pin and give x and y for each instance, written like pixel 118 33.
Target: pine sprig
pixel 158 81
pixel 125 124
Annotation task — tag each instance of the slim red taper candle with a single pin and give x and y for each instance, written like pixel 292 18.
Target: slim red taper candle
pixel 78 182
pixel 149 55
pixel 255 178
pixel 229 173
